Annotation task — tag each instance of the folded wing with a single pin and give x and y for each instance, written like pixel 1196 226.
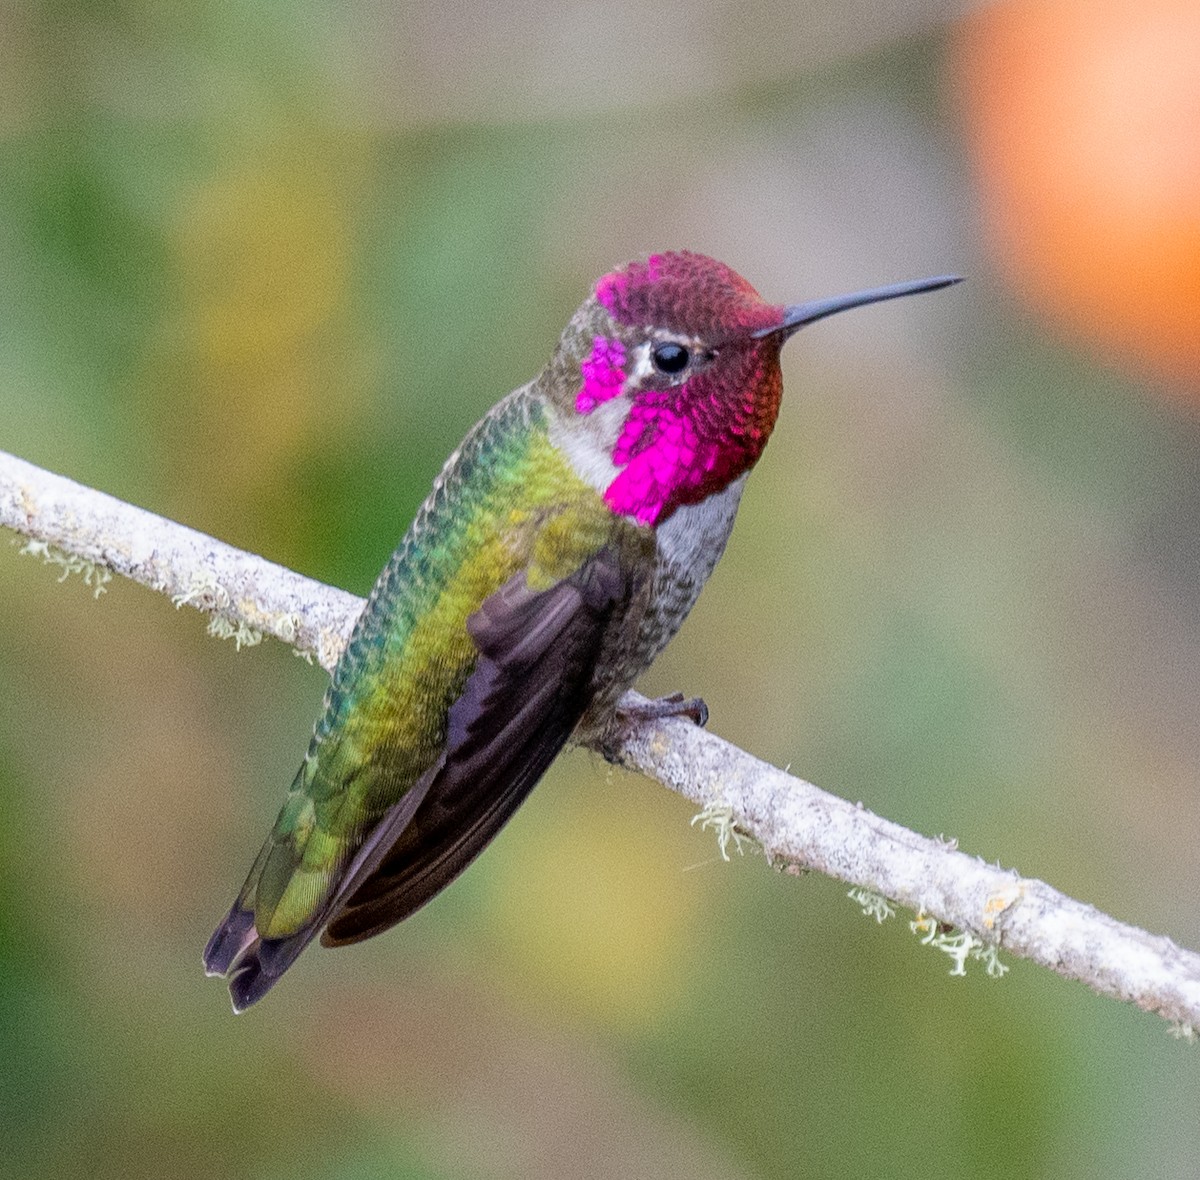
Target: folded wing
pixel 532 681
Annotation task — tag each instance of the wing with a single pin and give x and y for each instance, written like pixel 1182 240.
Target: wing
pixel 533 681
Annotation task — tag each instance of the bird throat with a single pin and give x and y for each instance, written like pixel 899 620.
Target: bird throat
pixel 683 444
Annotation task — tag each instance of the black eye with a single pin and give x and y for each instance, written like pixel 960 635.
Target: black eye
pixel 670 358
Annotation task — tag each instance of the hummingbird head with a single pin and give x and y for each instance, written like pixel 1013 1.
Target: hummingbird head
pixel 668 378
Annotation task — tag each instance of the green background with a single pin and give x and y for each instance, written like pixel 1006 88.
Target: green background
pixel 261 265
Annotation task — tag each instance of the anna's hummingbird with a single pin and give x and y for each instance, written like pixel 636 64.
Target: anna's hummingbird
pixel 561 547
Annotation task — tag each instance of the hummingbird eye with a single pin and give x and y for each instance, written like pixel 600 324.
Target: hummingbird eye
pixel 669 357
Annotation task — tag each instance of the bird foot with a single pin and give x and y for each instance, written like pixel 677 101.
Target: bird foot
pixel 675 705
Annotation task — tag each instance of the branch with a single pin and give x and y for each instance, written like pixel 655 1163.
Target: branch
pixel 797 825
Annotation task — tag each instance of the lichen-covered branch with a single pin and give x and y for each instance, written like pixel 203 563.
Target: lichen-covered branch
pixel 798 825
pixel 82 528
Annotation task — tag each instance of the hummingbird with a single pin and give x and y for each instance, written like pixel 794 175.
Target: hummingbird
pixel 562 546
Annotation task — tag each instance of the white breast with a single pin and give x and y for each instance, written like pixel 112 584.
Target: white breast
pixel 694 537
pixel 588 442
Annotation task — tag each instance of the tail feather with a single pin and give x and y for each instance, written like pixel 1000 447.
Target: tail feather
pixel 230 941
pixel 261 968
pixel 249 984
pixel 252 964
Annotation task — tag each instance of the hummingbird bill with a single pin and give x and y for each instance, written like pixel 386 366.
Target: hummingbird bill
pixel 562 546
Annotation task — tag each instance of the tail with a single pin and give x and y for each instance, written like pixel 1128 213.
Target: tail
pixel 237 952
pixel 253 965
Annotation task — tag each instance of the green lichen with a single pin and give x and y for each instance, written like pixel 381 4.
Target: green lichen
pixel 718 817
pixel 203 592
pixel 95 576
pixel 219 627
pixel 959 946
pixel 874 905
pixel 287 627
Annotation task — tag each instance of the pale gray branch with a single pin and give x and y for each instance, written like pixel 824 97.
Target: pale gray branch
pixel 797 824
pixel 191 568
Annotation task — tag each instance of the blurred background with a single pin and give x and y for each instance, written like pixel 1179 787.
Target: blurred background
pixel 263 264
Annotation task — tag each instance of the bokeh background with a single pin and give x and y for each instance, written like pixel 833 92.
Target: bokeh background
pixel 262 264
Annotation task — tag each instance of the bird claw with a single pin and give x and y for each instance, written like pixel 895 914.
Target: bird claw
pixel 675 705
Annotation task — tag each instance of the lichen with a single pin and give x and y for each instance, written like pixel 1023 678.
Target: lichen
pixel 219 627
pixel 286 628
pixel 95 576
pixel 718 817
pixel 203 592
pixel 959 946
pixel 874 905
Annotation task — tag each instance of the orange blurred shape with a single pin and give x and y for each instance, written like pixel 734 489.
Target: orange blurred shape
pixel 1083 118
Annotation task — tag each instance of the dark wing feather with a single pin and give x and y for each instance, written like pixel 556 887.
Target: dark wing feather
pixel 255 964
pixel 533 681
